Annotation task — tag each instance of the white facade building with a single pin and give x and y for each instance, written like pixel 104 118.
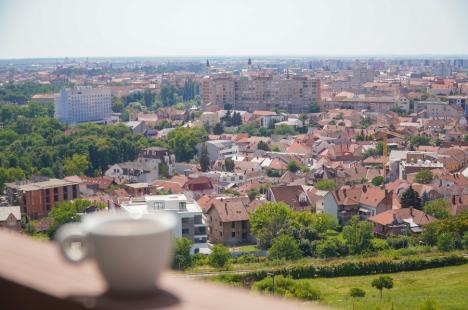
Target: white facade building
pixel 83 104
pixel 191 223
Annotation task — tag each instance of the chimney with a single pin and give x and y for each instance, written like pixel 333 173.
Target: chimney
pixel 411 211
pixel 225 208
pixel 364 188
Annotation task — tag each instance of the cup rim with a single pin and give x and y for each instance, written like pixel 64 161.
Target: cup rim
pixel 164 222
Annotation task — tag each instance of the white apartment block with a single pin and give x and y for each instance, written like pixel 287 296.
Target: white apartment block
pixel 221 149
pixel 191 223
pixel 261 91
pixel 83 104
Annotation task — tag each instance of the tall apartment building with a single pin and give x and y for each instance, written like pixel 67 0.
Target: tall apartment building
pixel 190 220
pixel 38 196
pixel 261 91
pixel 362 74
pixel 83 104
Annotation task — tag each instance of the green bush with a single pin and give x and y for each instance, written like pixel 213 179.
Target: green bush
pixel 304 290
pixel 219 256
pixel 357 292
pixel 379 244
pixel 399 242
pixel 285 247
pixel 447 241
pixel 286 286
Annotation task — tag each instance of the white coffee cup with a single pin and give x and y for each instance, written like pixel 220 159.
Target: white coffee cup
pixel 130 250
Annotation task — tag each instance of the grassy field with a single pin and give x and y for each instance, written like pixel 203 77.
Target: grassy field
pixel 447 287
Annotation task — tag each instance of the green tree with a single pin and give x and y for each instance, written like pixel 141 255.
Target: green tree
pixel 446 241
pixel 293 166
pixel 420 140
pixel 410 198
pixel 429 234
pixel 327 248
pixel 204 158
pixel 268 221
pixel 168 95
pixel 382 282
pixel 286 247
pixel 438 208
pixel 183 141
pixel 77 165
pixel 252 194
pixel 325 185
pixel 314 107
pixel 67 212
pixel 219 256
pixel 424 176
pixel 358 236
pixel 378 180
pixel 182 258
pixel 218 129
pixel 263 146
pixel 229 164
pixel 284 130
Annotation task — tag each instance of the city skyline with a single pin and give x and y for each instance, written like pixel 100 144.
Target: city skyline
pixel 51 29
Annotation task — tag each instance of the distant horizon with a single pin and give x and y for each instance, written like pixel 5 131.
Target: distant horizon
pixel 42 29
pixel 246 56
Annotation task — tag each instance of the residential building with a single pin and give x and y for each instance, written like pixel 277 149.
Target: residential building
pixel 228 220
pixel 10 218
pixel 190 220
pixel 404 221
pixel 221 149
pixel 438 109
pixel 261 91
pixel 38 196
pixel 146 168
pixel 324 202
pixel 83 104
pixel 293 195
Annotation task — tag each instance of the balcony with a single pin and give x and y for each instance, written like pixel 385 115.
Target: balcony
pixel 33 275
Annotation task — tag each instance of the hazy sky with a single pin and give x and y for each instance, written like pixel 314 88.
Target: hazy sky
pixel 59 28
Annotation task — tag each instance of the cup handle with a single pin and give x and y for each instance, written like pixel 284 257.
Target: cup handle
pixel 67 236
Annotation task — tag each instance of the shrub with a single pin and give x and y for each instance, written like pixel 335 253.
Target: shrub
pixel 327 248
pixel 446 241
pixel 378 180
pixel 286 286
pixel 304 290
pixel 357 292
pixel 379 244
pixel 285 247
pixel 219 256
pixel 465 240
pixel 399 242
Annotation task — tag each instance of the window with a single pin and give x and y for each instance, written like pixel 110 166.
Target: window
pixel 182 205
pixel 185 231
pixel 185 220
pixel 233 225
pixel 233 234
pixel 158 205
pixel 197 219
